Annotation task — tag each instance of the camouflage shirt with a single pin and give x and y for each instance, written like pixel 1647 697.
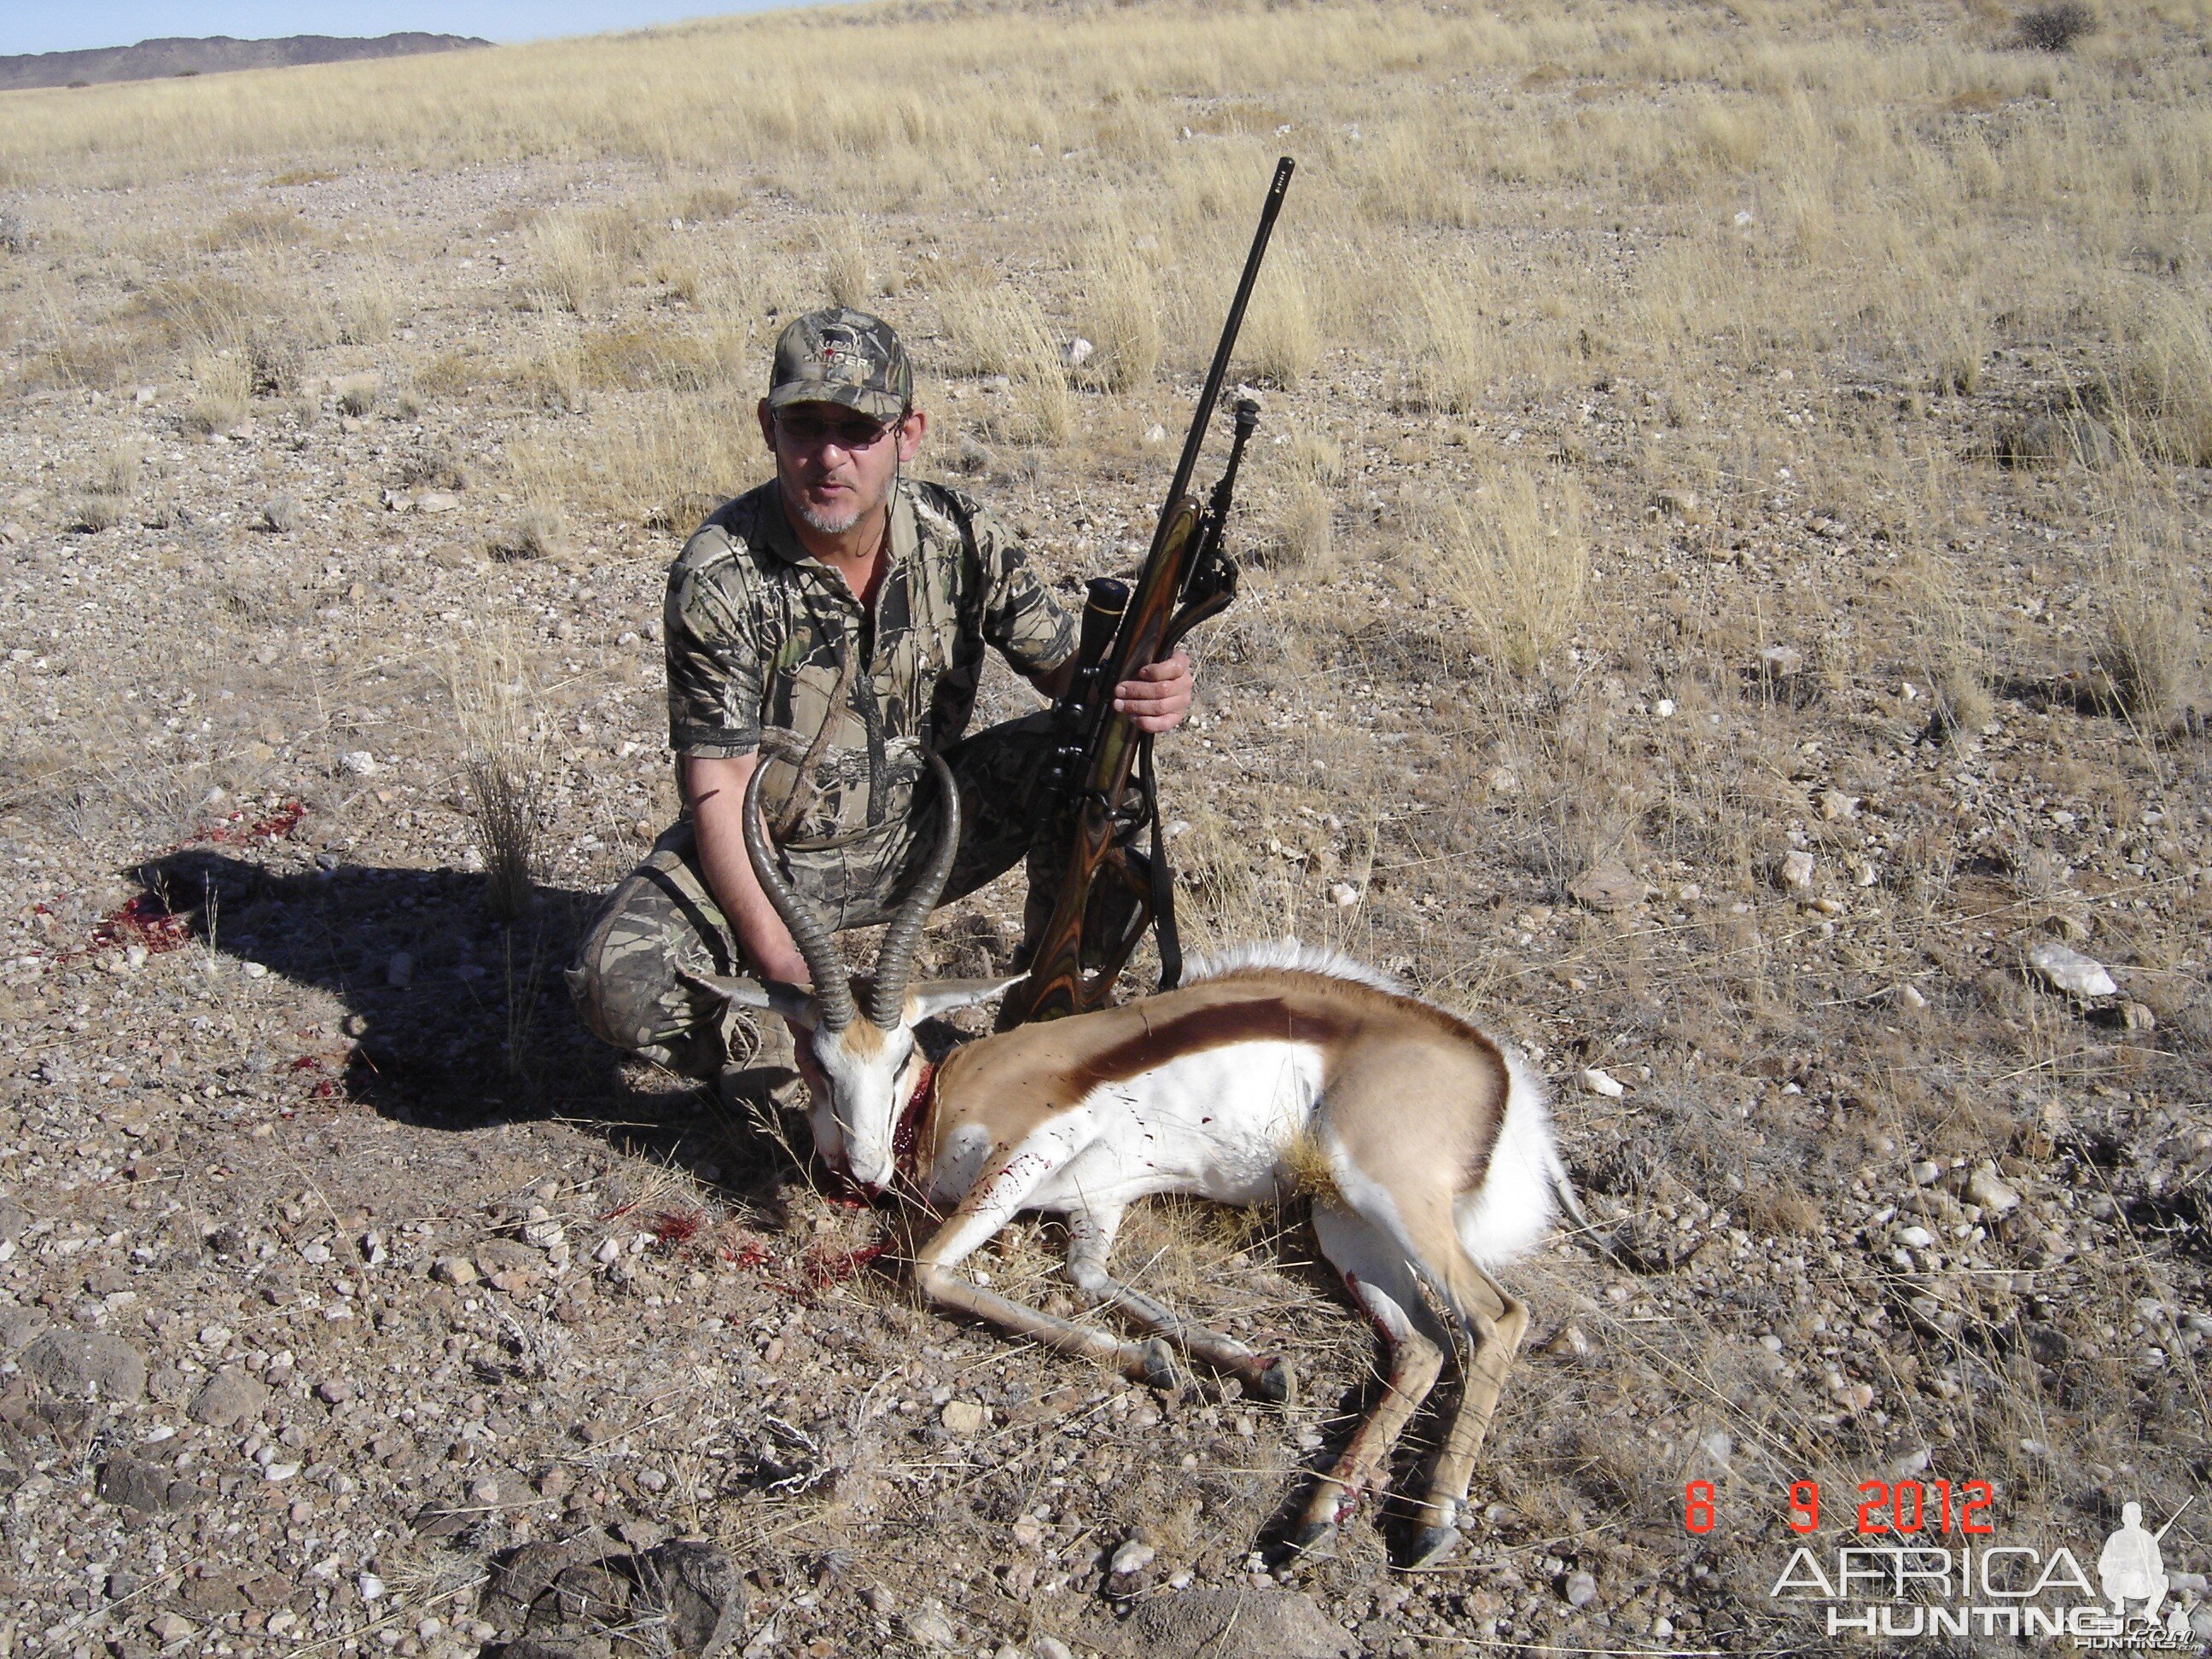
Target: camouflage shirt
pixel 768 649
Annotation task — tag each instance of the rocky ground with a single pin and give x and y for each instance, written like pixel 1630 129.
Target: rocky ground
pixel 353 1300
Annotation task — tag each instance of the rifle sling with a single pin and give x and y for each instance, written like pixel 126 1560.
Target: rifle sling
pixel 1164 915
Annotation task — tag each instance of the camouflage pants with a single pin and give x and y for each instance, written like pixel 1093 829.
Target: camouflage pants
pixel 661 919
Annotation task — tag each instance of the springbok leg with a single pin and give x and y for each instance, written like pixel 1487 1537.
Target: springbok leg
pixel 1496 1322
pixel 1090 1239
pixel 990 1205
pixel 1375 1270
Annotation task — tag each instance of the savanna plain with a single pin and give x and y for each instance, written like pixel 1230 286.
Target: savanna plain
pixel 1722 607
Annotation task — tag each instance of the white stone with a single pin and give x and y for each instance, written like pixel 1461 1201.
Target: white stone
pixel 1134 1556
pixel 1908 996
pixel 929 1626
pixel 1343 895
pixel 1580 1589
pixel 963 1417
pixel 370 1586
pixel 360 762
pixel 1797 870
pixel 1604 1082
pixel 1915 1238
pixel 1984 1188
pixel 2069 970
pixel 1078 351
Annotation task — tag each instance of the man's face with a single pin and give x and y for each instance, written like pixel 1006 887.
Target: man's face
pixel 836 464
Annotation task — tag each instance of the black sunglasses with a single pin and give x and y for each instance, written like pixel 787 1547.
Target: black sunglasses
pixel 851 432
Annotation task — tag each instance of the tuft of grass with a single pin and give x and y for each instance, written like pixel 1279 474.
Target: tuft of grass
pixel 539 533
pixel 366 310
pixel 662 467
pixel 2166 386
pixel 1301 530
pixel 276 362
pixel 550 374
pixel 1515 562
pixel 222 386
pixel 507 805
pixel 1119 314
pixel 2152 648
pixel 1281 342
pixel 1450 342
pixel 846 274
pixel 358 394
pixel 580 260
pixel 1001 330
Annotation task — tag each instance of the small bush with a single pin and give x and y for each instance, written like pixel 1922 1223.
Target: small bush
pixel 2056 29
pixel 97 512
pixel 275 364
pixel 539 533
pixel 357 395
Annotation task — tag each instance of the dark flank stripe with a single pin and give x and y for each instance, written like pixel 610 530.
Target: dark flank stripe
pixel 1487 1123
pixel 1258 1019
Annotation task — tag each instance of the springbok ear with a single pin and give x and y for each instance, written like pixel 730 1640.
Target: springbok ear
pixel 937 996
pixel 777 996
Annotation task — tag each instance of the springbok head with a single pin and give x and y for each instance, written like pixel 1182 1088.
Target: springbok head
pixel 860 1028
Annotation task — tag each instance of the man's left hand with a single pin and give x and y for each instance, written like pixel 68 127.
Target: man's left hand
pixel 1158 697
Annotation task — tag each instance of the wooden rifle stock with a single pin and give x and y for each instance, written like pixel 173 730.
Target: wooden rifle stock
pixel 1187 577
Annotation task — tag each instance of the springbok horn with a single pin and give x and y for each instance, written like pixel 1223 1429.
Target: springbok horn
pixel 831 989
pixel 895 961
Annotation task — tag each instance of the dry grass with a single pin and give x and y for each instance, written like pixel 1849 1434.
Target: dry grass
pixel 1513 559
pixel 222 386
pixel 1003 331
pixel 1119 311
pixel 579 261
pixel 2153 646
pixel 500 765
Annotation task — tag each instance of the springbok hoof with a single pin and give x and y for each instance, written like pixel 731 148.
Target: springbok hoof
pixel 1156 1365
pixel 1313 1541
pixel 1430 1545
pixel 1273 1383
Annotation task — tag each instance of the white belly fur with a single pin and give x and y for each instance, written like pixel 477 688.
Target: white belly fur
pixel 1214 1124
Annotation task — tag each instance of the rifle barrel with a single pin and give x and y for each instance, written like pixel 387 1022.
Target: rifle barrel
pixel 1214 375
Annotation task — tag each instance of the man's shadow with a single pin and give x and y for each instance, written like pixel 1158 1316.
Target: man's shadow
pixel 455 1020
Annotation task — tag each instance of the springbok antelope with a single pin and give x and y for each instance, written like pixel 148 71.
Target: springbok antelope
pixel 1427 1143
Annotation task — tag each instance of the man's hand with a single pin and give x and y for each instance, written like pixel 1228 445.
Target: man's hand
pixel 1158 699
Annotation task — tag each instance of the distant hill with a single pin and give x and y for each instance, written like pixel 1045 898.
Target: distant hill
pixel 154 60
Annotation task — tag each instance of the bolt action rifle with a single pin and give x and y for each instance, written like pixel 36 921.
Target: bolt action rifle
pixel 1187 577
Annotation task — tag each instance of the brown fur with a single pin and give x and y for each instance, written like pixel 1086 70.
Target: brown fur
pixel 1024 1077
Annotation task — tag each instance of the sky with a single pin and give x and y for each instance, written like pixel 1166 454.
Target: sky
pixel 41 26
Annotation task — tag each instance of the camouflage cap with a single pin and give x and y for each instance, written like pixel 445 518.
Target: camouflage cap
pixel 840 357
